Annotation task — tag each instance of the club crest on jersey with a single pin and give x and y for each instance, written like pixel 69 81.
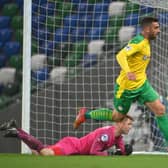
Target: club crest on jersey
pixel 120 108
pixel 127 48
pixel 104 138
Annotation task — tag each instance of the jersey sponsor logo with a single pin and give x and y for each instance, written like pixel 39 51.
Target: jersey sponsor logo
pixel 145 57
pixel 128 48
pixel 104 138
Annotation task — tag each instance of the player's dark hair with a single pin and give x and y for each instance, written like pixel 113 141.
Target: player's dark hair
pixel 127 117
pixel 147 21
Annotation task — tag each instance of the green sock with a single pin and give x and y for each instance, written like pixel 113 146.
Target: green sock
pixel 163 125
pixel 102 114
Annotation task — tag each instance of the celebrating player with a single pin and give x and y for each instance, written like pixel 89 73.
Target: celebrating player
pixel 132 83
pixel 94 143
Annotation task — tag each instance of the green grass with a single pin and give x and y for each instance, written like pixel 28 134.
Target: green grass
pixel 134 161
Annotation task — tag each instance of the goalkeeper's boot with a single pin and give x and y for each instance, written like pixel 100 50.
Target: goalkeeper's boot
pixel 80 118
pixel 11 133
pixel 8 125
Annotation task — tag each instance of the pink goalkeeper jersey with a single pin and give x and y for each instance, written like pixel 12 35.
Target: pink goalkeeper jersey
pixel 94 143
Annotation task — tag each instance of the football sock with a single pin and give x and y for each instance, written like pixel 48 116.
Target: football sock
pixel 29 140
pixel 102 114
pixel 162 122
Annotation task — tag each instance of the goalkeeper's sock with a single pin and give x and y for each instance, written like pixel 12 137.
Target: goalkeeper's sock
pixel 163 125
pixel 102 114
pixel 30 141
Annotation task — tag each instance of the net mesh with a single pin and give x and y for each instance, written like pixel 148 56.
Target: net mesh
pixel 163 4
pixel 73 65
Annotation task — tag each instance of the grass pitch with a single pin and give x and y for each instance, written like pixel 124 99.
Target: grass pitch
pixel 134 161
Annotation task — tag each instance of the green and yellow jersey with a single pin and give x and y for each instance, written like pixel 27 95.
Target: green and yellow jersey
pixel 135 58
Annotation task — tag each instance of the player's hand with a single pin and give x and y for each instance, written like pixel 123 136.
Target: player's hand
pixel 116 152
pixel 128 149
pixel 131 76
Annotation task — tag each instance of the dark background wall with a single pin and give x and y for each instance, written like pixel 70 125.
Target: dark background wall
pixel 10 145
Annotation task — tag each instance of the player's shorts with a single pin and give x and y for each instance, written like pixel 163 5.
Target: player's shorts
pixel 123 101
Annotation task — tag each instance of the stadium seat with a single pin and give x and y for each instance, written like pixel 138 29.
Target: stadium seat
pixel 64 9
pixel 96 47
pixel 116 21
pixel 15 61
pixel 61 35
pixel 10 9
pixel 131 19
pixel 95 33
pixel 77 1
pixel 71 21
pixel 132 8
pixel 53 22
pixel 12 48
pixel 7 75
pixel 111 34
pixel 34 48
pixel 3 60
pixel 126 33
pixel 3 2
pixel 78 34
pixel 5 35
pixel 89 60
pixel 79 48
pixel 39 2
pixel 38 61
pixel 84 8
pixel 60 53
pixel 19 35
pixel 34 9
pixel 163 18
pixel 47 47
pixel 38 21
pixel 73 59
pixel 40 75
pixel 1 45
pixel 19 3
pixel 41 34
pixel 145 10
pixel 100 8
pixel 93 1
pixel 101 21
pixel 57 75
pixel 63 49
pixel 17 22
pixel 5 22
pixel 86 21
pixel 116 8
pixel 47 9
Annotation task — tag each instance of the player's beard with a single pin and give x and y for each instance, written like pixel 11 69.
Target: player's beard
pixel 152 37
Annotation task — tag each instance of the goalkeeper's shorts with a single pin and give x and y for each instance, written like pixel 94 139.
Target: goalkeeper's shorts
pixel 145 93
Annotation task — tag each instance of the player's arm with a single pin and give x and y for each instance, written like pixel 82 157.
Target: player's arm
pixel 99 144
pixel 123 149
pixel 122 59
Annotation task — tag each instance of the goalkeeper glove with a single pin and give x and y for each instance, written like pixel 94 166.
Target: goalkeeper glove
pixel 128 149
pixel 117 152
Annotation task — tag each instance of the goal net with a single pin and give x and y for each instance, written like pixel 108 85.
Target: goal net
pixel 74 43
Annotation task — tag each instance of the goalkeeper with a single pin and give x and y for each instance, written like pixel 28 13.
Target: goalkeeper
pixel 132 83
pixel 94 143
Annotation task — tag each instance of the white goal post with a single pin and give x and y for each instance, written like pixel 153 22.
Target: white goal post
pixel 69 61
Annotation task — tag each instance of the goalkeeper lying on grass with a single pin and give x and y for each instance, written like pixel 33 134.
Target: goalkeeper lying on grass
pixel 96 142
